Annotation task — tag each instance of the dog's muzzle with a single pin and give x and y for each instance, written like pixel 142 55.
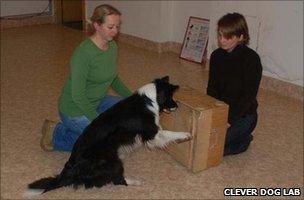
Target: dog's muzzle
pixel 169 110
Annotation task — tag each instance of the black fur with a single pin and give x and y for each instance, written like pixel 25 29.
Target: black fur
pixel 95 159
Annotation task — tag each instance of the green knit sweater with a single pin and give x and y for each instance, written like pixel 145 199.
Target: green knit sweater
pixel 92 72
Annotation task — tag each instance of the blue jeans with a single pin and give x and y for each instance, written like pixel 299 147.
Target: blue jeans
pixel 69 129
pixel 239 134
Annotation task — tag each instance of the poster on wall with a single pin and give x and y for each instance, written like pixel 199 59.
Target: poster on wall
pixel 195 40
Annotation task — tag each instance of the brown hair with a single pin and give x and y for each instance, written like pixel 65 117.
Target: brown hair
pixel 233 24
pixel 99 15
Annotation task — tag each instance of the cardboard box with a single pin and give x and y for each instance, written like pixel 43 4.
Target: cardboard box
pixel 206 119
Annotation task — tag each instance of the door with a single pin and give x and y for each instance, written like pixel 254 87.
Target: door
pixel 71 11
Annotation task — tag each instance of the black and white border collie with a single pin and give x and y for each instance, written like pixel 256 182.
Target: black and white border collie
pixel 96 158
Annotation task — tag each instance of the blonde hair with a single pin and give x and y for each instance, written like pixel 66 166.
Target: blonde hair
pixel 99 15
pixel 234 24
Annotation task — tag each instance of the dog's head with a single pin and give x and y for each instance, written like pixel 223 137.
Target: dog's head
pixel 164 94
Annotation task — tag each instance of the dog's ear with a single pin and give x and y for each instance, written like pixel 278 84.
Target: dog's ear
pixel 174 87
pixel 165 79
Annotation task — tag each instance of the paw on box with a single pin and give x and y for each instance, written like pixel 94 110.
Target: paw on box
pixel 206 119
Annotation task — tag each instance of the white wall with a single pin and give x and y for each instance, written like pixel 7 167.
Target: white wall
pixel 21 7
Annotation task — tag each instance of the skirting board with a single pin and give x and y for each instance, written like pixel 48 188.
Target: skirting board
pixel 149 45
pixel 143 43
pixel 36 20
pixel 267 83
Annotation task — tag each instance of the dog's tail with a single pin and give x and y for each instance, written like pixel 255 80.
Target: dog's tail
pixel 50 183
pixel 45 184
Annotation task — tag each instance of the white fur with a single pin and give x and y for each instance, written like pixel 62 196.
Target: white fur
pixel 32 192
pixel 150 91
pixel 125 149
pixel 163 138
pixel 132 182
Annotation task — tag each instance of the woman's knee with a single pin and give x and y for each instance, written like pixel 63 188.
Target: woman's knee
pixel 75 124
pixel 107 102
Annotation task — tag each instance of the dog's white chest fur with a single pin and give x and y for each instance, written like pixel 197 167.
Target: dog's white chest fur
pixel 150 91
pixel 126 149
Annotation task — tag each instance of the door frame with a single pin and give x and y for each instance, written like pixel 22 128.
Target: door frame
pixel 58 12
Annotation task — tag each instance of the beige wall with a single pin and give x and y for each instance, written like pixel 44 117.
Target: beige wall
pixel 21 7
pixel 276 27
pixel 140 18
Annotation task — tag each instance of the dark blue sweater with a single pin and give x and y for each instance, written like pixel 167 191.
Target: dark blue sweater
pixel 234 77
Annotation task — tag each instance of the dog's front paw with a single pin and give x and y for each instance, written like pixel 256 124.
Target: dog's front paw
pixel 134 182
pixel 184 136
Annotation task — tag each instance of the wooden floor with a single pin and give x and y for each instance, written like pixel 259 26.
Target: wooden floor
pixel 34 65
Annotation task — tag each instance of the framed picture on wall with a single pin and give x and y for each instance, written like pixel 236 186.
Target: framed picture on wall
pixel 195 40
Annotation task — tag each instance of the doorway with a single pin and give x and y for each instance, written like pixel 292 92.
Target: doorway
pixel 70 13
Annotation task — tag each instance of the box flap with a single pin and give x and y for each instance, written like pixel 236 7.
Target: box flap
pixel 196 100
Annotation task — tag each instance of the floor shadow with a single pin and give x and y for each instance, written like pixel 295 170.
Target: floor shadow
pixel 75 25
